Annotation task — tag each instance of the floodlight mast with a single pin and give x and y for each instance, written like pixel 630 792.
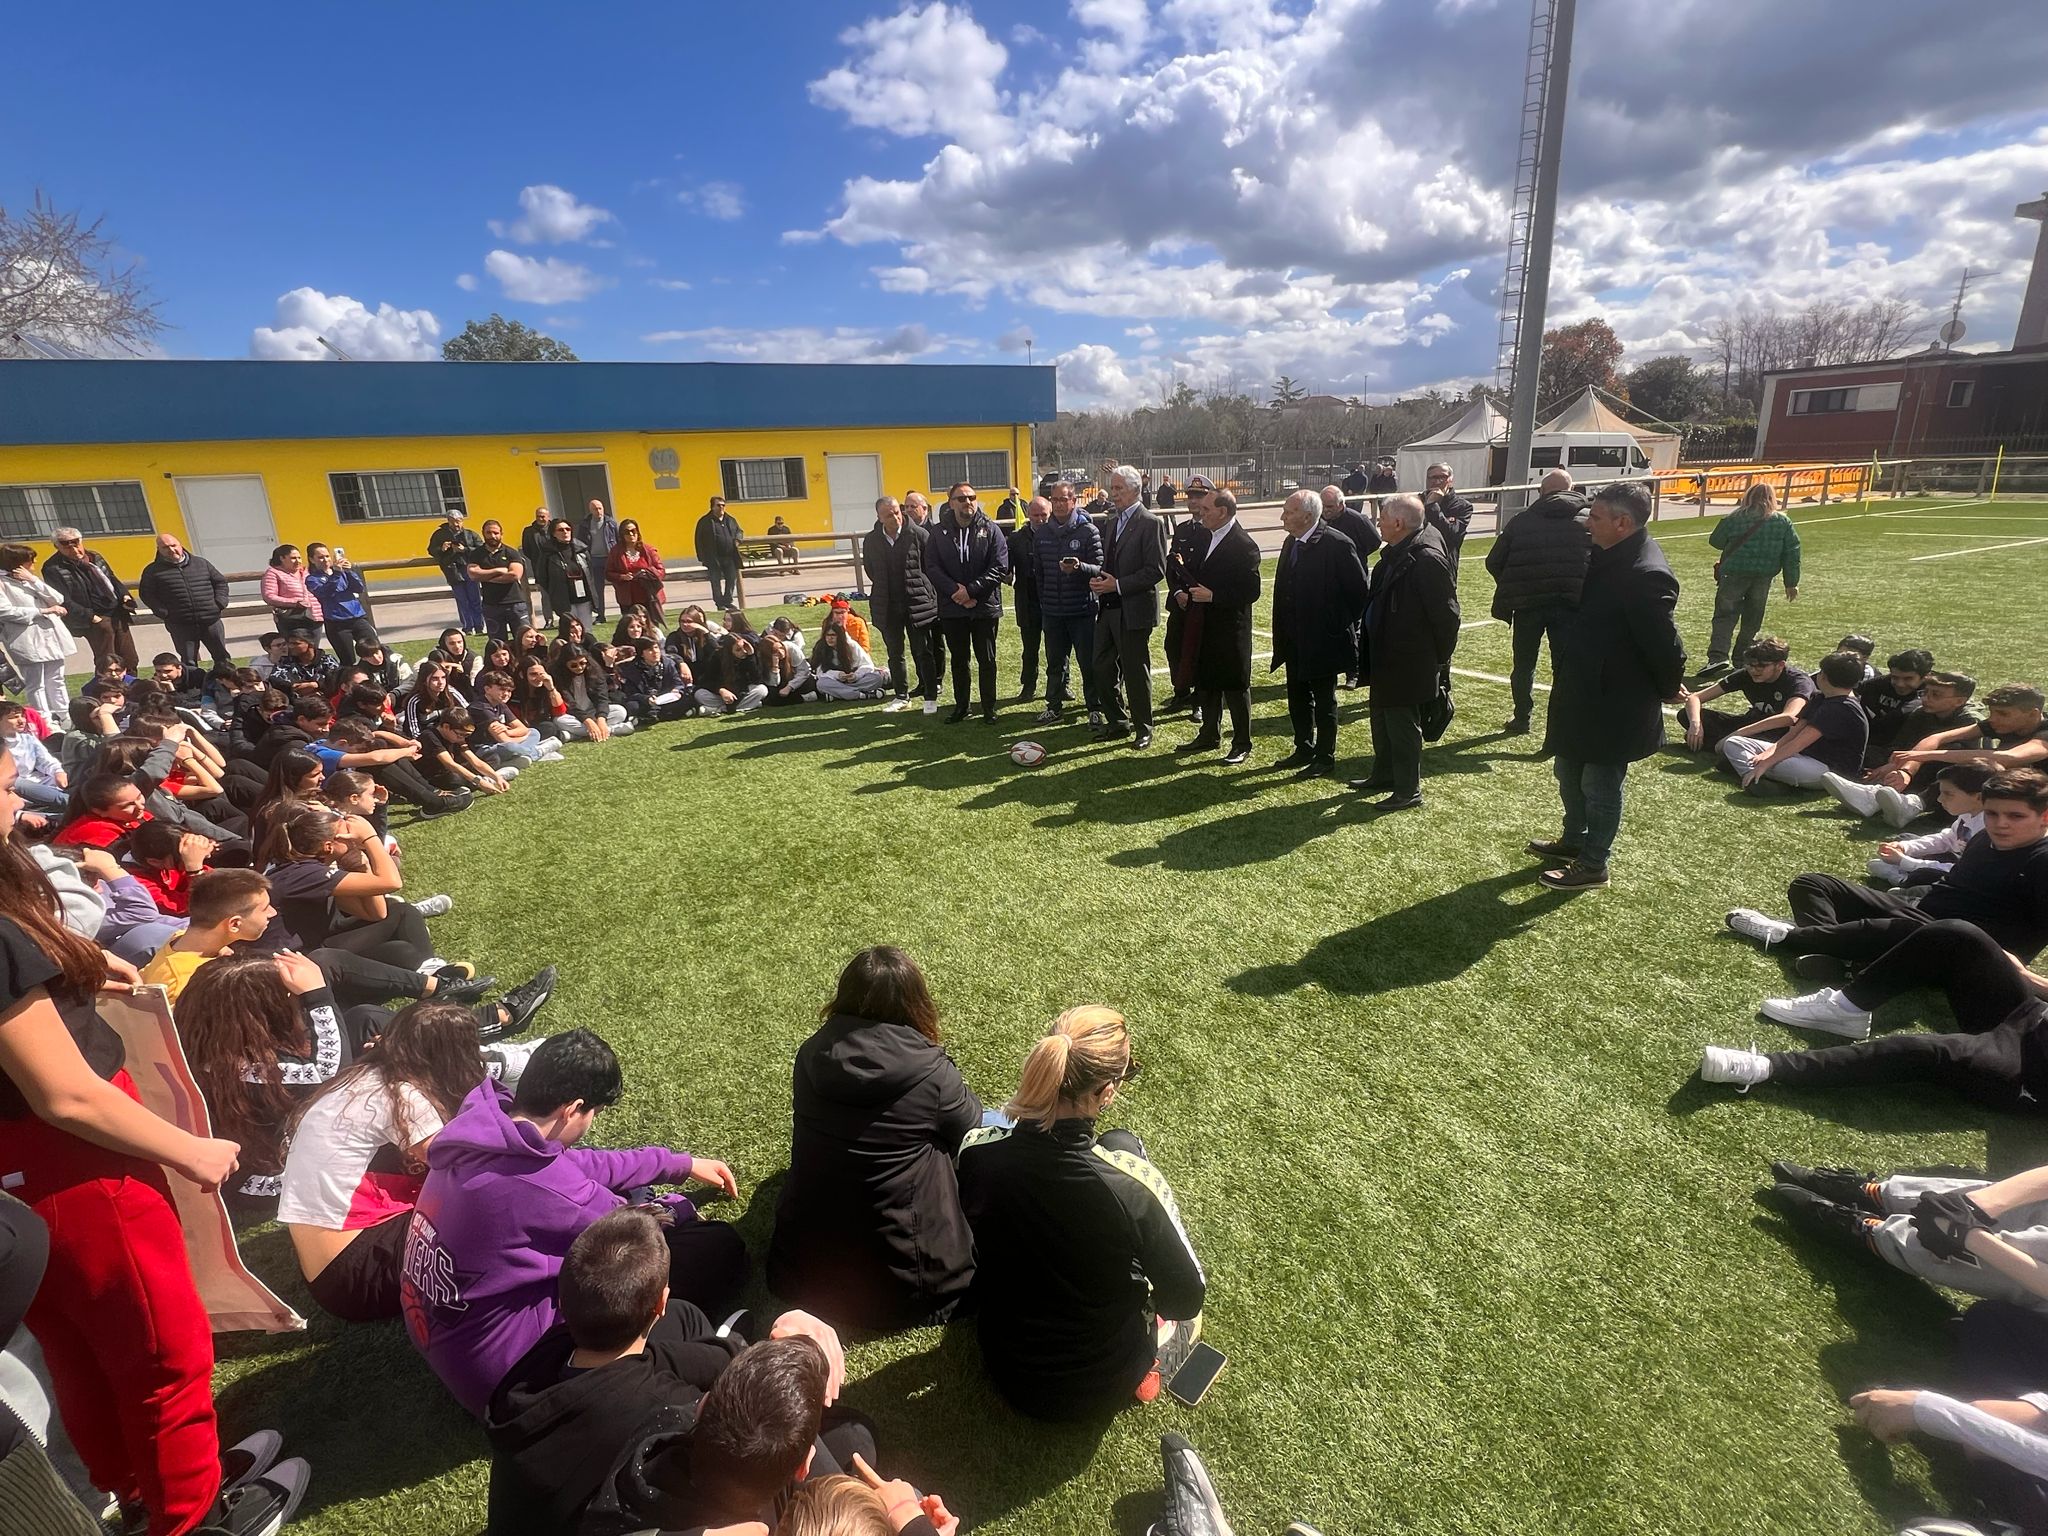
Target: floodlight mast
pixel 1535 221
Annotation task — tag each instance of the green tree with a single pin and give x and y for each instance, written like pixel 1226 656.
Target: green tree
pixel 1671 388
pixel 498 340
pixel 1574 357
pixel 1287 392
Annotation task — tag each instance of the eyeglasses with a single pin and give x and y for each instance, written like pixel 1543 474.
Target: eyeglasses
pixel 1131 1070
pixel 68 543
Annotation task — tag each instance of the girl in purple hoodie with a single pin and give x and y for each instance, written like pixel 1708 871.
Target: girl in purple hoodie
pixel 508 1190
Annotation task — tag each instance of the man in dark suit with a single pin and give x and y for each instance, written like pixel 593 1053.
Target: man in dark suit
pixel 892 555
pixel 1127 587
pixel 1411 628
pixel 1224 586
pixel 1618 660
pixel 1318 596
pixel 967 559
pixel 1357 527
pixel 1024 601
pixel 1186 545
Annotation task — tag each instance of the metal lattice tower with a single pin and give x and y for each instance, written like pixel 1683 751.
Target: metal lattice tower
pixel 1528 157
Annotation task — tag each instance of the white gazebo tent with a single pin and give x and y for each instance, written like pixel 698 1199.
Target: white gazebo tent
pixel 1466 443
pixel 1589 418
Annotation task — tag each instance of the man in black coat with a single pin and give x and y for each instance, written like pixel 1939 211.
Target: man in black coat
pixel 1127 587
pixel 534 539
pixel 718 547
pixel 189 594
pixel 1538 563
pixel 967 559
pixel 1318 597
pixel 1618 659
pixel 899 597
pixel 1357 483
pixel 1449 513
pixel 1224 586
pixel 1024 600
pixel 98 607
pixel 1411 628
pixel 1357 527
pixel 1185 546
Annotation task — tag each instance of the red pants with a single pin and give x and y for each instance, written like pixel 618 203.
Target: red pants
pixel 128 1343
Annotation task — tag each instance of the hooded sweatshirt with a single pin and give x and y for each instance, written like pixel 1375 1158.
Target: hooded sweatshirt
pixel 868 1230
pixel 499 1209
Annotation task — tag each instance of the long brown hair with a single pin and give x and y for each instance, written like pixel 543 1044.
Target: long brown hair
pixel 301 831
pixel 28 900
pixel 429 1047
pixel 884 984
pixel 235 1017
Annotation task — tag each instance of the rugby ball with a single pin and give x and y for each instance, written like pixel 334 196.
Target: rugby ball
pixel 1027 754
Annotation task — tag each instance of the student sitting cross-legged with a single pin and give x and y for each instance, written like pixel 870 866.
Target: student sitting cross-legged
pixel 1894 787
pixel 1084 1277
pixel 2014 735
pixel 1776 693
pixel 1920 860
pixel 507 1191
pixel 1828 737
pixel 623 1352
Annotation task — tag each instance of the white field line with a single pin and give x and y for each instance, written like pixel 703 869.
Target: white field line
pixel 1478 623
pixel 1815 522
pixel 1981 549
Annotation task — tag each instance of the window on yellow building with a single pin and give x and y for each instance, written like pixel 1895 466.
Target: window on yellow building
pixel 946 470
pixel 763 479
pixel 107 507
pixel 388 495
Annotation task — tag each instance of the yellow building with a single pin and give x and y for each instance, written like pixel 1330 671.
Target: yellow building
pixel 238 457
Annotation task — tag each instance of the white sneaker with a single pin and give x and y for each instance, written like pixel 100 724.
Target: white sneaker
pixel 1752 924
pixel 895 706
pixel 433 906
pixel 430 965
pixel 551 753
pixel 1889 873
pixel 1898 809
pixel 1725 1064
pixel 508 774
pixel 1825 1010
pixel 1860 798
pixel 931 706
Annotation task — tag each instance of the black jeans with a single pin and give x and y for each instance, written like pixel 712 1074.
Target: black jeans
pixel 1851 922
pixel 894 627
pixel 407 783
pixel 1123 670
pixel 1532 626
pixel 399 938
pixel 357 979
pixel 978 635
pixel 1239 702
pixel 503 621
pixel 1312 710
pixel 1397 746
pixel 1999 1067
pixel 725 583
pixel 187 638
pixel 346 636
pixel 1958 959
pixel 1030 633
pixel 928 653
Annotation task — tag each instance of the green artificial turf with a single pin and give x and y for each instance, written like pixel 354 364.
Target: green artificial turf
pixel 1481 1251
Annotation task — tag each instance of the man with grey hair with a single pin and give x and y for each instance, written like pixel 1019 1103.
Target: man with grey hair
pixel 1411 628
pixel 901 600
pixel 1126 588
pixel 1618 659
pixel 1339 514
pixel 1318 594
pixel 98 607
pixel 1538 563
pixel 1449 513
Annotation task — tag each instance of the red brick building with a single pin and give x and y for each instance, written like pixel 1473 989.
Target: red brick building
pixel 1909 407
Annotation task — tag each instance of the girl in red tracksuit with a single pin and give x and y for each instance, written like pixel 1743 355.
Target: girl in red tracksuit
pixel 128 1343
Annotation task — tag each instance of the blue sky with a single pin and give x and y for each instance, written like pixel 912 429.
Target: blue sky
pixel 1150 190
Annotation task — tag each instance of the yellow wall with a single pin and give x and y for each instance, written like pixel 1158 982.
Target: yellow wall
pixel 501 478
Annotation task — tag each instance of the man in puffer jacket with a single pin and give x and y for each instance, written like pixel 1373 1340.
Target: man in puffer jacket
pixel 1538 564
pixel 189 594
pixel 1066 606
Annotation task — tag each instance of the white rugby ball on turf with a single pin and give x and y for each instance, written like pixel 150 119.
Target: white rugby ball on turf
pixel 1027 754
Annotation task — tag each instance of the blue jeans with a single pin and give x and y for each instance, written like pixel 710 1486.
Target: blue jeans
pixel 41 797
pixel 469 605
pixel 521 749
pixel 1592 806
pixel 1065 636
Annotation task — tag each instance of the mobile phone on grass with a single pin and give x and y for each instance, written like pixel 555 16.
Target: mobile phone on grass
pixel 1197 1373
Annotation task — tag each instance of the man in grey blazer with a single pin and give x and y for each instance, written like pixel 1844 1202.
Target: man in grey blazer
pixel 1126 587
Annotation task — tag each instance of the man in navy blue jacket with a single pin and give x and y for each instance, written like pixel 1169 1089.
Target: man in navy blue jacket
pixel 967 558
pixel 1067 548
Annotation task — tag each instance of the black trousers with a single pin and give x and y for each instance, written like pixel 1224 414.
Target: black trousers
pixel 1851 922
pixel 1030 632
pixel 1717 724
pixel 1312 710
pixel 1532 626
pixel 1123 670
pixel 725 583
pixel 346 636
pixel 894 627
pixel 978 635
pixel 1992 1068
pixel 1397 746
pixel 1239 702
pixel 358 979
pixel 1178 672
pixel 399 938
pixel 1959 960
pixel 187 638
pixel 503 621
pixel 928 655
pixel 405 781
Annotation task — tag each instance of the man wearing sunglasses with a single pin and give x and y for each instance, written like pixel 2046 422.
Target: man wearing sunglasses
pixel 967 558
pixel 98 607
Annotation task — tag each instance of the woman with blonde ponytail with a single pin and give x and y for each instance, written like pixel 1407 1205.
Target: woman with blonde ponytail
pixel 1084 1275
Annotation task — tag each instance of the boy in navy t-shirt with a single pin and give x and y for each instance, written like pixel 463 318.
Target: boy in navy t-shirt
pixel 1827 737
pixel 1776 692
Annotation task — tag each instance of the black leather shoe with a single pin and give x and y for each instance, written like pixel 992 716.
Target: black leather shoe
pixel 1238 755
pixel 1142 738
pixel 464 991
pixel 1370 786
pixel 1296 759
pixel 1400 803
pixel 1200 744
pixel 1317 768
pixel 1112 731
pixel 959 714
pixel 1547 848
pixel 1519 726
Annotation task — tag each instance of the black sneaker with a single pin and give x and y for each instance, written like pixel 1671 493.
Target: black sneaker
pixel 463 990
pixel 249 1457
pixel 1825 969
pixel 1316 768
pixel 1518 726
pixel 1813 1213
pixel 1576 876
pixel 1713 669
pixel 1547 848
pixel 527 999
pixel 1842 1186
pixel 446 805
pixel 261 1506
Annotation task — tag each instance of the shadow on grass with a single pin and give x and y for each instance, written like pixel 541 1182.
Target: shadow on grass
pixel 1428 941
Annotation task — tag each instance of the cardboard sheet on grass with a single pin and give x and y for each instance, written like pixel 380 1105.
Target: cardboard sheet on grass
pixel 236 1301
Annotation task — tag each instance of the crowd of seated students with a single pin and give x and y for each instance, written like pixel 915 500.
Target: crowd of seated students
pixel 1957 911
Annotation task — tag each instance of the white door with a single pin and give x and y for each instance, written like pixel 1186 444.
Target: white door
pixel 855 484
pixel 227 519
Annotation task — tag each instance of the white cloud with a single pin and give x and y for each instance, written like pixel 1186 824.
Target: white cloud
pixel 1127 23
pixel 1016 339
pixel 550 215
pixel 808 344
pixel 386 335
pixel 466 281
pixel 927 69
pixel 533 280
pixel 802 236
pixel 672 284
pixel 723 200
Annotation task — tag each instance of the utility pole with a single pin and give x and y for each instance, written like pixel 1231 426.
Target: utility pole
pixel 1550 63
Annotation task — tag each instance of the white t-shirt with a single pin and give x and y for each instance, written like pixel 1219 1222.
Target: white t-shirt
pixel 327 1177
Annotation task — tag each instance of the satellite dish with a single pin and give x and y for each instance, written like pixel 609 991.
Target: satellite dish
pixel 1954 332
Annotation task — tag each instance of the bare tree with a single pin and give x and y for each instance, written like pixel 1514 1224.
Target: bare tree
pixel 61 283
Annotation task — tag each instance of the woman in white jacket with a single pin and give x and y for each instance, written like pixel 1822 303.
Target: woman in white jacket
pixel 32 630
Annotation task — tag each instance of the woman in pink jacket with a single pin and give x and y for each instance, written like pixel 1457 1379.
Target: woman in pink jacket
pixel 296 610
